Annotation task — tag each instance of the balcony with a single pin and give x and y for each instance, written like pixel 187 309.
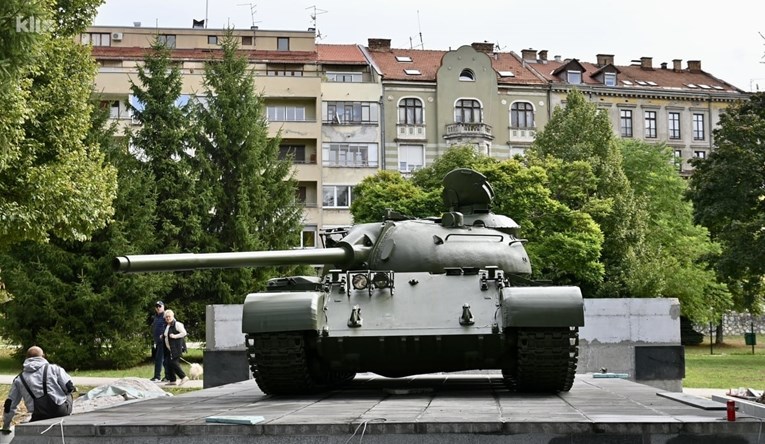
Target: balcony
pixel 410 132
pixel 522 134
pixel 468 131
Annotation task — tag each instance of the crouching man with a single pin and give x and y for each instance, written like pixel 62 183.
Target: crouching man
pixel 45 388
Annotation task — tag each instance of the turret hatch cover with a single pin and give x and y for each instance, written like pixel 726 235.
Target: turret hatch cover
pixel 467 190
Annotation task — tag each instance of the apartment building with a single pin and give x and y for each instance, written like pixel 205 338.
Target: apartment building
pixel 323 100
pixel 346 111
pixel 497 101
pixel 677 105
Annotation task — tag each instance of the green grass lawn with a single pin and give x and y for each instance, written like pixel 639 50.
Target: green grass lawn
pixel 732 364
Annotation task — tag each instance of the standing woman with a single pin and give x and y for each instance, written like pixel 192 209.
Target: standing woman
pixel 173 336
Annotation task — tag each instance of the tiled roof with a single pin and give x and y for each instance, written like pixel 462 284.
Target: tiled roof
pixel 427 62
pixel 340 54
pixel 667 79
pixel 135 53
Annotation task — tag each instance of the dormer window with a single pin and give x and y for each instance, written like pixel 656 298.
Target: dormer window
pixel 467 76
pixel 574 77
pixel 609 79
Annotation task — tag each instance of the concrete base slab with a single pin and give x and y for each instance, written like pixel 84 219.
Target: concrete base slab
pixel 443 408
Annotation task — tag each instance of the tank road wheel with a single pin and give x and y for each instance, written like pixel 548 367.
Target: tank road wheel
pixel 547 359
pixel 279 363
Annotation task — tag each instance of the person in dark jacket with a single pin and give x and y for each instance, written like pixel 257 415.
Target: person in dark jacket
pixel 174 336
pixel 157 330
pixel 37 378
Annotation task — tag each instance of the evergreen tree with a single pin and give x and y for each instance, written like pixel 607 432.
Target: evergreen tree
pixel 254 204
pixel 162 144
pixel 84 315
pixel 579 132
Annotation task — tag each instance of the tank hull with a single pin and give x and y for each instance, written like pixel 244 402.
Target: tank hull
pixel 424 323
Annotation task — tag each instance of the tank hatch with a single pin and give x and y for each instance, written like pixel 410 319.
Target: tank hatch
pixel 468 192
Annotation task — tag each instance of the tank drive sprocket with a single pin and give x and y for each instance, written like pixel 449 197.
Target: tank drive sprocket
pixel 547 359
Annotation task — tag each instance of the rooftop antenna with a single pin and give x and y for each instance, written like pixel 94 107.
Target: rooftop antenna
pixel 419 29
pixel 316 12
pixel 253 7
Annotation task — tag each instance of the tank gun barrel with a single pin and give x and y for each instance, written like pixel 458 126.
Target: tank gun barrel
pixel 197 261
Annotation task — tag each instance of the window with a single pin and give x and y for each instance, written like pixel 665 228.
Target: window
pixel 308 237
pixel 609 79
pixel 351 112
pixel 285 113
pixel 246 40
pixel 410 158
pixel 574 77
pixel 282 43
pixel 336 196
pixel 296 152
pixel 410 111
pixel 625 126
pixel 284 71
pixel 114 108
pixel 96 38
pixel 344 77
pixel 468 111
pixel 698 127
pixel 167 40
pixel 521 115
pixel 677 157
pixel 650 124
pixel 212 39
pixel 674 125
pixel 354 155
pixel 700 154
pixel 467 76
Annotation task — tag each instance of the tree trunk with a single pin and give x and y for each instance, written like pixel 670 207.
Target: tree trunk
pixel 719 334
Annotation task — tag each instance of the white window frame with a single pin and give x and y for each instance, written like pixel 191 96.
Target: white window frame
pixel 285 113
pixel 574 77
pixel 416 111
pixel 309 229
pixel 407 157
pixel 344 77
pixel 350 155
pixel 333 190
pixel 699 126
pixel 609 79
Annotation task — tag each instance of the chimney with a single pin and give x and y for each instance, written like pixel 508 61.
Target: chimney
pixel 694 65
pixel 605 59
pixel 646 63
pixel 663 65
pixel 557 58
pixel 677 65
pixel 543 55
pixel 379 44
pixel 529 55
pixel 483 47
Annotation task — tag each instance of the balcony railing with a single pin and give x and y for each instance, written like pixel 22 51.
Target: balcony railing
pixel 410 132
pixel 477 130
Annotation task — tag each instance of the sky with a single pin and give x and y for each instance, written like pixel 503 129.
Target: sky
pixel 724 36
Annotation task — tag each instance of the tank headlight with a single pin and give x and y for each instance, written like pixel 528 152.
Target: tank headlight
pixel 360 281
pixel 381 280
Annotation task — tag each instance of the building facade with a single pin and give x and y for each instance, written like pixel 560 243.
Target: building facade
pixel 345 111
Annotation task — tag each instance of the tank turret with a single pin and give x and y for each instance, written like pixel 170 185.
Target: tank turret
pixel 405 296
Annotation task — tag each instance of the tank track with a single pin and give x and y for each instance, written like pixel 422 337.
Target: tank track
pixel 279 363
pixel 547 359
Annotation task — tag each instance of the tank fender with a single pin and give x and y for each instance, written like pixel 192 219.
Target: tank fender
pixel 542 307
pixel 283 311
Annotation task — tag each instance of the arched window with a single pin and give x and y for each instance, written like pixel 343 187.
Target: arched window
pixel 522 115
pixel 467 111
pixel 467 75
pixel 410 112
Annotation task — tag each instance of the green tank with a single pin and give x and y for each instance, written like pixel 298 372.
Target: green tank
pixel 402 297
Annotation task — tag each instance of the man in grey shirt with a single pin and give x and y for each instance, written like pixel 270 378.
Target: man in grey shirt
pixel 45 388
